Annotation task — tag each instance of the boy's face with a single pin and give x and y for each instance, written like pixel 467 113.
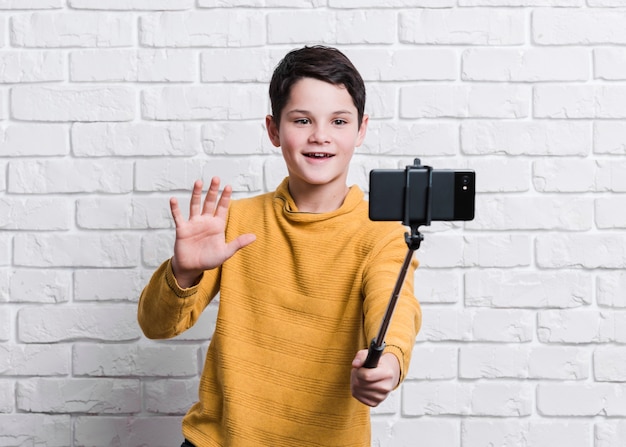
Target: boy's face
pixel 318 132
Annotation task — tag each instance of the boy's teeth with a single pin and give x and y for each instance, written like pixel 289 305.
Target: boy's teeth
pixel 316 155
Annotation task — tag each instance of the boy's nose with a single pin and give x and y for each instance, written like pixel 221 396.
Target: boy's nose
pixel 319 135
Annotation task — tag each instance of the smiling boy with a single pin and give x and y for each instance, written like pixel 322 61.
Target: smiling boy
pixel 304 279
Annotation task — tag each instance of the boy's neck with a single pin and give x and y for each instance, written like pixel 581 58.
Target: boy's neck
pixel 318 199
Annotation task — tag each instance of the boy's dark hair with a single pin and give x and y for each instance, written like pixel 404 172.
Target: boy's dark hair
pixel 319 62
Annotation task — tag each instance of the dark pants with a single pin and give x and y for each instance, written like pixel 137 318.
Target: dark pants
pixel 187 444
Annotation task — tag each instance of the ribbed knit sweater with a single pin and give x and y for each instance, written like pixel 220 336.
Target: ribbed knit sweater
pixel 295 307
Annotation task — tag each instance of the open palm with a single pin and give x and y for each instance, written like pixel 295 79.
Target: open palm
pixel 200 240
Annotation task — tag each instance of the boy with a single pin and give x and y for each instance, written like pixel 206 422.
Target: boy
pixel 304 280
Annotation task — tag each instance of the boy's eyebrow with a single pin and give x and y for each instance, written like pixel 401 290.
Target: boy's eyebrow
pixel 336 112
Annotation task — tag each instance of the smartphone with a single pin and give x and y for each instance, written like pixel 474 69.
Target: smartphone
pixel 452 196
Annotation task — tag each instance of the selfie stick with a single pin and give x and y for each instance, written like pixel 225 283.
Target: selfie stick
pixel 413 241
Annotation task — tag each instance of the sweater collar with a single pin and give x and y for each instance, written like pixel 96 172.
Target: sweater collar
pixel 290 210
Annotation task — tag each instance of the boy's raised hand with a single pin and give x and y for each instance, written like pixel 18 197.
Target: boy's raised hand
pixel 201 240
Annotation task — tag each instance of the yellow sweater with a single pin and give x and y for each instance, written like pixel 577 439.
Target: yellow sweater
pixel 295 307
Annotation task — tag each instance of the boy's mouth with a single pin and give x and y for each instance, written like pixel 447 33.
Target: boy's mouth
pixel 318 155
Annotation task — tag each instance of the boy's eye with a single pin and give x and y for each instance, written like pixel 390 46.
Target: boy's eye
pixel 302 121
pixel 339 122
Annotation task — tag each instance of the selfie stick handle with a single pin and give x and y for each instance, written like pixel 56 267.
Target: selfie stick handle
pixel 413 240
pixel 377 346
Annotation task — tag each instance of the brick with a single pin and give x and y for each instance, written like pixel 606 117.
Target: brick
pixel 609 63
pixel 133 66
pixel 536 433
pixel 609 137
pixel 71 29
pixel 208 102
pixel 31 4
pixel 96 396
pixel 465 26
pixel 485 325
pixel 436 286
pixel 554 26
pixel 529 65
pixel 202 29
pixel 25 140
pixel 498 175
pixel 50 324
pixel 565 175
pixel 527 289
pixel 238 64
pixel 133 360
pixel 575 327
pixel 123 213
pixel 404 432
pixel 70 103
pixel 167 175
pixel 35 214
pixel 5 275
pixel 34 360
pixel 407 138
pixel 430 64
pixel 170 396
pixel 7 326
pixel 538 137
pixel 609 364
pixel 606 3
pixel 6 243
pixel 154 431
pixel 31 66
pixel 36 430
pixel 464 101
pixel 502 399
pixel 70 176
pixel 387 4
pixel 132 5
pixel 364 26
pixel 7 405
pixel 610 433
pixel 497 251
pixel 523 362
pixel 574 400
pixel 157 247
pixel 433 363
pixel 508 212
pixel 135 139
pixel 108 284
pixel 76 250
pixel 382 101
pixel 41 286
pixel 611 212
pixel 580 251
pixel 609 176
pixel 236 138
pixel 579 101
pixel 610 288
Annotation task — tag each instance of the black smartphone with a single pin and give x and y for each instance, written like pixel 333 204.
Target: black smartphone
pixel 452 194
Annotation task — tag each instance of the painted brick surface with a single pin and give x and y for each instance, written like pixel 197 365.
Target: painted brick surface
pixel 108 108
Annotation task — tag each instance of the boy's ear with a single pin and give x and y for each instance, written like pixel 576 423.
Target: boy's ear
pixel 272 130
pixel 362 131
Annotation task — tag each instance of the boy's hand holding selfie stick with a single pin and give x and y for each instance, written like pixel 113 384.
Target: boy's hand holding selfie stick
pixel 416 195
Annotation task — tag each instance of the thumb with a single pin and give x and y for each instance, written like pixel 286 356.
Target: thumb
pixel 359 358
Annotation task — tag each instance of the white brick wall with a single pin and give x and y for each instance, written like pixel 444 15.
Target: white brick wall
pixel 107 108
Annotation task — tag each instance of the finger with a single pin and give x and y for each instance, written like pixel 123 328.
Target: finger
pixel 196 199
pixel 222 206
pixel 359 358
pixel 211 196
pixel 175 210
pixel 240 242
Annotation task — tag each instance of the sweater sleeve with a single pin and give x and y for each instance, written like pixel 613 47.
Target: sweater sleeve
pixel 381 275
pixel 166 310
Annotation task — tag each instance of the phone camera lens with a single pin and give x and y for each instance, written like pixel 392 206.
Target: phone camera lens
pixel 465 180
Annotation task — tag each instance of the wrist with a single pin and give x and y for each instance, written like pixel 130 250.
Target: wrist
pixel 185 278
